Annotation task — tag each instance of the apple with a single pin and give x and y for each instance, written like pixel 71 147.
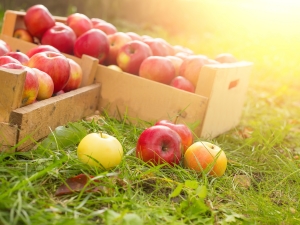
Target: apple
pixel 100 150
pixel 58 93
pixel 115 67
pixel 46 85
pixel 79 23
pixel 41 48
pixel 37 20
pixel 179 49
pixel 176 61
pixel 60 36
pixel 93 43
pixel 157 68
pixel 8 59
pixel 116 41
pixel 31 86
pixel 106 27
pixel 226 58
pixel 134 36
pixel 6 45
pixel 158 145
pixel 131 56
pixel 204 156
pixel 158 47
pixel 75 79
pixel 191 67
pixel 182 83
pixel 95 21
pixel 20 56
pixel 167 45
pixel 23 34
pixel 53 63
pixel 182 55
pixel 183 130
pixel 3 48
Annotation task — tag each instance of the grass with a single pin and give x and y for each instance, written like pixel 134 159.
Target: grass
pixel 261 184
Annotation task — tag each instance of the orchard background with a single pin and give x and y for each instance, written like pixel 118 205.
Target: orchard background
pixel 262 181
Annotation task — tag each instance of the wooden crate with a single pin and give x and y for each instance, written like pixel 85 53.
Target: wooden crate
pixel 26 125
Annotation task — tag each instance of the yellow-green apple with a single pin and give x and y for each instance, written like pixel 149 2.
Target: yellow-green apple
pixel 23 34
pixel 206 157
pixel 46 85
pixel 75 79
pixel 37 20
pixel 100 150
pixel 158 47
pixel 5 59
pixel 131 56
pixel 79 22
pixel 31 86
pixel 157 68
pixel 20 56
pixel 134 36
pixel 60 36
pixel 115 67
pixel 225 58
pixel 53 63
pixel 41 48
pixel 94 43
pixel 116 41
pixel 176 61
pixel 106 27
pixel 158 145
pixel 183 130
pixel 191 67
pixel 182 83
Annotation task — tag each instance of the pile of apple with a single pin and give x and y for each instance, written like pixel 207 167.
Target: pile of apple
pixel 48 71
pixel 141 55
pixel 163 143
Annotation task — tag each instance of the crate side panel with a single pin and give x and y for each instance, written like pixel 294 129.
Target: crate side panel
pixel 8 136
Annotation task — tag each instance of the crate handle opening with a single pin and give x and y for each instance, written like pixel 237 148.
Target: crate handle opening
pixel 233 84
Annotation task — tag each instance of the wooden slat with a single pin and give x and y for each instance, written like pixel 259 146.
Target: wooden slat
pixel 8 136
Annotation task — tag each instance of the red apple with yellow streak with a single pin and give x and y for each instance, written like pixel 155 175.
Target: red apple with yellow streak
pixel 46 85
pixel 79 23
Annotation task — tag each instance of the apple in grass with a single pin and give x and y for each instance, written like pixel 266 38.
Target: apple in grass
pixel 60 36
pixel 182 130
pixel 56 65
pixel 182 83
pixel 75 76
pixel 5 59
pixel 93 43
pixel 100 150
pixel 206 157
pixel 20 56
pixel 131 56
pixel 41 48
pixel 46 85
pixel 79 23
pixel 158 145
pixel 157 68
pixel 38 20
pixel 116 41
pixel 23 34
pixel 31 86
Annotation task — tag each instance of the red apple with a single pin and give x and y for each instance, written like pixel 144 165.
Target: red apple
pixel 226 58
pixel 46 85
pixel 41 48
pixel 176 61
pixel 61 37
pixel 75 76
pixel 134 36
pixel 3 48
pixel 159 144
pixel 191 67
pixel 179 48
pixel 8 48
pixel 183 130
pixel 204 156
pixel 53 63
pixel 5 59
pixel 20 56
pixel 131 56
pixel 37 20
pixel 23 34
pixel 31 86
pixel 95 21
pixel 158 47
pixel 116 41
pixel 79 22
pixel 106 27
pixel 93 43
pixel 182 83
pixel 157 68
